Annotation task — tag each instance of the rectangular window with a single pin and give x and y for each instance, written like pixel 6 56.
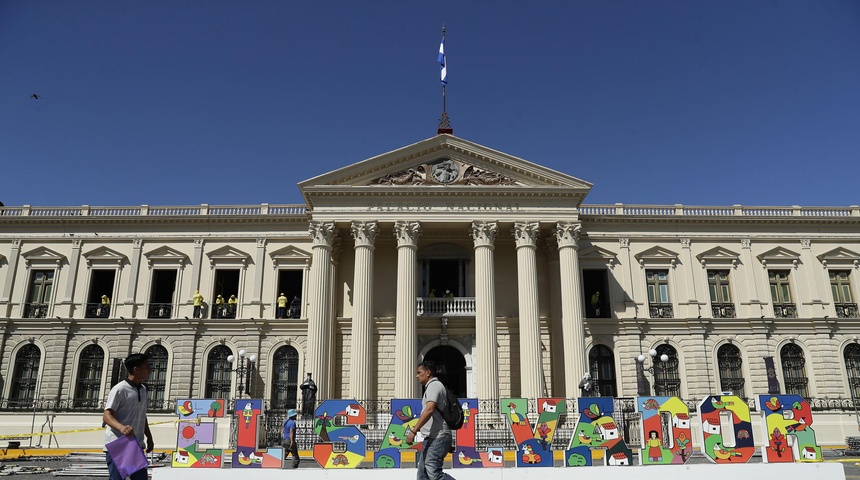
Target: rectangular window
pixel 595 290
pixel 721 295
pixel 101 289
pixel 658 293
pixel 843 299
pixel 658 286
pixel 780 292
pixel 41 286
pixel 161 296
pixel 226 294
pixel 290 286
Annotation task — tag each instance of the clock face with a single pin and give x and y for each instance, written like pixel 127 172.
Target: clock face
pixel 445 171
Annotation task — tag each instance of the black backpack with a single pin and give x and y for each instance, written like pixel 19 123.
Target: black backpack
pixel 452 413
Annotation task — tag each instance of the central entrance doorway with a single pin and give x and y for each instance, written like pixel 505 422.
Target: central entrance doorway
pixel 452 368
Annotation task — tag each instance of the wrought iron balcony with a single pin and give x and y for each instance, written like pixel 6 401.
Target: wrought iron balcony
pixel 36 310
pixel 97 310
pixel 847 310
pixel 446 306
pixel 660 310
pixel 160 310
pixel 784 310
pixel 223 311
pixel 723 310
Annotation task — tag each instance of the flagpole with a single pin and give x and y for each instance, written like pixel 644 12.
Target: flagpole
pixel 444 122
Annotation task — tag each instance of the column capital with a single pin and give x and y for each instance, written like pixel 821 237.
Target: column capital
pixel 484 233
pixel 624 242
pixel 746 243
pixel 323 233
pixel 806 244
pixel 364 233
pixel 568 234
pixel 407 233
pixel 525 233
pixel 685 243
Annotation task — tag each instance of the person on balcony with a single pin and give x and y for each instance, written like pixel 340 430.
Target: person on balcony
pixel 232 305
pixel 595 304
pixel 448 294
pixel 104 309
pixel 296 307
pixel 282 307
pixel 197 300
pixel 432 293
pixel 219 306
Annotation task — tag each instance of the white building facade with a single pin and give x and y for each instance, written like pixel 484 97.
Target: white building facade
pixel 447 250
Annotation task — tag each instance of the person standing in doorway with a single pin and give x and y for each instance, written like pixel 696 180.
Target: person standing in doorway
pixel 197 299
pixel 125 412
pixel 431 425
pixel 289 443
pixel 281 312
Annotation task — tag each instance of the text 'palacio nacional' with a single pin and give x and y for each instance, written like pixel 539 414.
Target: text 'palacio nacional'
pixel 489 264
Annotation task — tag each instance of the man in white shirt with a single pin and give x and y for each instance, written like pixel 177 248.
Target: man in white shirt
pixel 431 425
pixel 125 412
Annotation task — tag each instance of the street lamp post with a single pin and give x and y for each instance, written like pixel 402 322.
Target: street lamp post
pixel 243 370
pixel 640 370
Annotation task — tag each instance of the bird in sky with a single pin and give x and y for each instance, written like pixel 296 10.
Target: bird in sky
pixel 35 96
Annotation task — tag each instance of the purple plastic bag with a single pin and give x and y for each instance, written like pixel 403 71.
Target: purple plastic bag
pixel 127 455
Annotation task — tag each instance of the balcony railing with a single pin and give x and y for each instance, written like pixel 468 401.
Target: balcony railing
pixel 97 310
pixel 446 306
pixel 160 310
pixel 36 310
pixel 723 310
pixel 660 310
pixel 784 310
pixel 224 311
pixel 847 310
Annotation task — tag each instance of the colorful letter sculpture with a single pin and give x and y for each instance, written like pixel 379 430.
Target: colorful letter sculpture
pixel 404 416
pixel 733 446
pixel 785 416
pixel 466 454
pixel 196 427
pixel 247 432
pixel 336 422
pixel 666 433
pixel 533 442
pixel 596 430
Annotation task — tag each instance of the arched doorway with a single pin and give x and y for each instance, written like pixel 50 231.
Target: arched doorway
pixel 453 367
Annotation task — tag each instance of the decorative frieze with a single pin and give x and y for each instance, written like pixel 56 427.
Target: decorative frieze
pixel 445 171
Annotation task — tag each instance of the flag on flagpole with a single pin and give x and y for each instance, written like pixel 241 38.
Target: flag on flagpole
pixel 443 69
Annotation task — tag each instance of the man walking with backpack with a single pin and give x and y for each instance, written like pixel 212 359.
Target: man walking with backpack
pixel 431 425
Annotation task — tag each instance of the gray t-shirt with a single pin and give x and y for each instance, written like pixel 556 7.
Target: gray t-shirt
pixel 435 392
pixel 128 403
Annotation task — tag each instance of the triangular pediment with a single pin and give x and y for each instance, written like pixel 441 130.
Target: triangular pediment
pixel 443 161
pixel 166 255
pixel 657 253
pixel 596 253
pixel 227 254
pixel 290 255
pixel 43 255
pixel 778 254
pixel 718 255
pixel 104 255
pixel 839 255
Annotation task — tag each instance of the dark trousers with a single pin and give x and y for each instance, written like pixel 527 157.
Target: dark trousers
pixel 294 449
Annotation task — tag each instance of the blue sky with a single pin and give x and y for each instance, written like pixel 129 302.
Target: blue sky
pixel 225 102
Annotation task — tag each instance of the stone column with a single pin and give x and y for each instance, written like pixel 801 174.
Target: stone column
pixel 573 330
pixel 259 261
pixel 323 234
pixel 484 235
pixel 556 336
pixel 69 297
pixel 134 274
pixel 196 268
pixel 531 373
pixel 362 310
pixel 11 268
pixel 405 336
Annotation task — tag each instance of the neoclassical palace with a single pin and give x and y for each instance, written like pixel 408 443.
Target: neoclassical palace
pixel 445 249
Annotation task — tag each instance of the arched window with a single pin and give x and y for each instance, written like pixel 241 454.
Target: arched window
pixel 852 365
pixel 667 381
pixel 218 373
pixel 730 365
pixel 89 383
pixel 285 378
pixel 25 376
pixel 602 363
pixel 794 370
pixel 157 383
